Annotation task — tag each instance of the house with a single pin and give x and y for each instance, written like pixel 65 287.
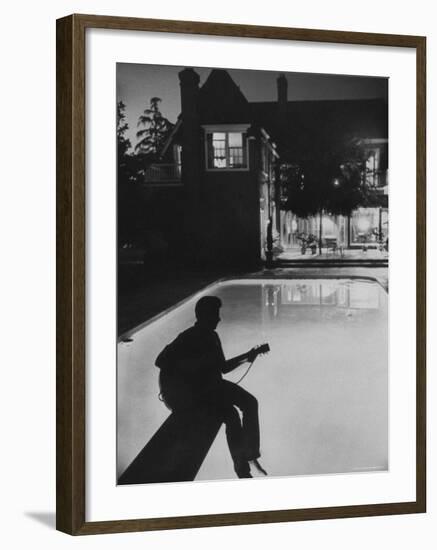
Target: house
pixel 224 166
pixel 221 166
pixel 303 128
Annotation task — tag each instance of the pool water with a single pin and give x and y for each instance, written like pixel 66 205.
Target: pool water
pixel 322 389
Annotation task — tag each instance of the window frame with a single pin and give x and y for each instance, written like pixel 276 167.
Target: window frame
pixel 226 129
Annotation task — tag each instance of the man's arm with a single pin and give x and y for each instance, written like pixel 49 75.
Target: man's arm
pixel 231 364
pixel 235 362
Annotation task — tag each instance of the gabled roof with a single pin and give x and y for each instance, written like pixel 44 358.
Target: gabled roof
pixel 172 138
pixel 221 100
pixel 301 123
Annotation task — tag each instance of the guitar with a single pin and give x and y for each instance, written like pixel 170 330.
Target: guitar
pixel 251 356
pixel 262 349
pixel 177 392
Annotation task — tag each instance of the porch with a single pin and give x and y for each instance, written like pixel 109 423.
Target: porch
pixel 166 174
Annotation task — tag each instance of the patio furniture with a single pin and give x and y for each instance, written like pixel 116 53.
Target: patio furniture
pixel 331 244
pixel 307 242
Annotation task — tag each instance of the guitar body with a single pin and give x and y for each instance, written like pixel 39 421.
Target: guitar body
pixel 175 391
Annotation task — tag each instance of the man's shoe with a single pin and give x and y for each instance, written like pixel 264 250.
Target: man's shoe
pixel 244 475
pixel 242 469
pixel 258 466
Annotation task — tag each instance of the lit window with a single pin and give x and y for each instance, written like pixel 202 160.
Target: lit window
pixel 226 150
pixel 372 166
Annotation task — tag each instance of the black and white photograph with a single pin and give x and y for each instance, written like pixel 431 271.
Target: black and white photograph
pixel 252 274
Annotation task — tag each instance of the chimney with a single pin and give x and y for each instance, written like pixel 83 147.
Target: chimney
pixel 189 82
pixel 282 90
pixel 191 162
pixel 282 106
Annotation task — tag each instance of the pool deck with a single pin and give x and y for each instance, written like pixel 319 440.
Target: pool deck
pixel 161 293
pixel 358 254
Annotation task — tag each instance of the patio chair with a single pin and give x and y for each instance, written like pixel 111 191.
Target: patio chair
pixel 331 244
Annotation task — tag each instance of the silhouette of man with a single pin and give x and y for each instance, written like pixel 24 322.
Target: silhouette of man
pixel 191 378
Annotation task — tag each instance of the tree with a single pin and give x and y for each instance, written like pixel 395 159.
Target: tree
pixel 130 208
pixel 155 131
pixel 123 143
pixel 125 161
pixel 136 207
pixel 126 164
pixel 327 180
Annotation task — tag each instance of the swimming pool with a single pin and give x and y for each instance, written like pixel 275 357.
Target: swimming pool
pixel 322 390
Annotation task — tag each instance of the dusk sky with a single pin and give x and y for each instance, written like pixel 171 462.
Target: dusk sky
pixel 138 83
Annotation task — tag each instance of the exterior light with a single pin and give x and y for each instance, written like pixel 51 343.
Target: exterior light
pixel 336 182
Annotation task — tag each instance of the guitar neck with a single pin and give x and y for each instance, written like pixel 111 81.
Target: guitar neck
pixel 264 348
pixel 242 357
pixel 235 362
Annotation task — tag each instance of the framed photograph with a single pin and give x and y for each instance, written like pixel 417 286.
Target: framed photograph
pixel 240 274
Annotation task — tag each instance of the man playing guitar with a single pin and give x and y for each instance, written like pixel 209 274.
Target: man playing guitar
pixel 191 378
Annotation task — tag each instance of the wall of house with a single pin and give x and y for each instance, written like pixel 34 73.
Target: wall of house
pixel 229 217
pixel 212 220
pixel 222 213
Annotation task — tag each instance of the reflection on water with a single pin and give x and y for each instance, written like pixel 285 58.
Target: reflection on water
pixel 358 295
pixel 322 389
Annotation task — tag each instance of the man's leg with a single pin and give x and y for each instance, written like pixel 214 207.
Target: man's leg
pixel 248 405
pixel 234 436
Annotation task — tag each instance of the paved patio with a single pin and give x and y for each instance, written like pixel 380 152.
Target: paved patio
pixel 347 254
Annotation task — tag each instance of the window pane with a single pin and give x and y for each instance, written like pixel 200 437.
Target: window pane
pixel 235 157
pixel 219 149
pixel 210 151
pixel 365 225
pixel 235 139
pixel 237 150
